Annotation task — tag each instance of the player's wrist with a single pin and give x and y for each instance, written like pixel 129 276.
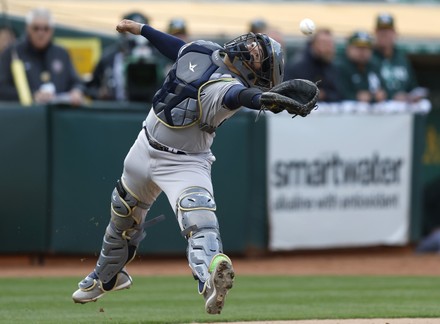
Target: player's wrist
pixel 140 28
pixel 250 98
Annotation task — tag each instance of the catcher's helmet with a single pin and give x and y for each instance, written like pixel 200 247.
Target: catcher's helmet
pixel 270 73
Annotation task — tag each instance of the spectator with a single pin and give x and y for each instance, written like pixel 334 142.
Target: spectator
pixel 7 37
pixel 258 26
pixel 49 70
pixel 395 68
pixel 359 77
pixel 178 28
pixel 128 70
pixel 316 63
pixel 276 34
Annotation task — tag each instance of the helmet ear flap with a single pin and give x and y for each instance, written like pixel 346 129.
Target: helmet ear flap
pixel 273 63
pixel 266 58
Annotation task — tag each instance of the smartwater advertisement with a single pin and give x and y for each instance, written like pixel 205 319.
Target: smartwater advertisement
pixel 339 180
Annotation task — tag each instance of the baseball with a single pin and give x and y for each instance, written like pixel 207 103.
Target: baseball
pixel 307 26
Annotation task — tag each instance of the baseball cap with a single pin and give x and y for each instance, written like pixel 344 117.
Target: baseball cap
pixel 137 17
pixel 360 39
pixel 177 26
pixel 258 26
pixel 384 21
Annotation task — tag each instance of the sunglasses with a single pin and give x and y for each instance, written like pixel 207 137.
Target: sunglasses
pixel 40 28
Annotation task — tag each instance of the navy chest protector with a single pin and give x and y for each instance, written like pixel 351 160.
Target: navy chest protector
pixel 177 104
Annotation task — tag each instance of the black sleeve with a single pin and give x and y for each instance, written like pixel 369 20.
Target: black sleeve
pixel 239 95
pixel 166 44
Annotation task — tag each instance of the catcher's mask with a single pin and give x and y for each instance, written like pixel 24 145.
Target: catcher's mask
pixel 269 72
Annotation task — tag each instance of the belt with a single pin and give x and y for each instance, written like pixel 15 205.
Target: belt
pixel 161 147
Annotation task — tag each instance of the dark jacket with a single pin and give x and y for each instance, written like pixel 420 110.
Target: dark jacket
pixel 103 74
pixel 54 59
pixel 352 79
pixel 396 71
pixel 313 68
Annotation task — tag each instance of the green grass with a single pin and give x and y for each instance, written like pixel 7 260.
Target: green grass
pixel 175 300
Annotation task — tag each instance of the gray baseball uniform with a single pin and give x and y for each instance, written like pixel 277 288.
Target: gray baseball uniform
pixel 172 154
pixel 148 171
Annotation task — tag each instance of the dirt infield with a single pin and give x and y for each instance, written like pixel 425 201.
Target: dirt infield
pixel 382 261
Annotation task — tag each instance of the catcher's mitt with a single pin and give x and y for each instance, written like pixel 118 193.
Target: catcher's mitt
pixel 297 97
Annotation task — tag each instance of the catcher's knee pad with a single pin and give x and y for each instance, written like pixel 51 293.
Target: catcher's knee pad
pixel 124 205
pixel 200 226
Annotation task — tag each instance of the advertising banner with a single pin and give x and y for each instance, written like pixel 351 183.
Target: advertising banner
pixel 339 180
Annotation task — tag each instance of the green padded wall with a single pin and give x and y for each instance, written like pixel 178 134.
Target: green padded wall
pixel 59 165
pixel 239 180
pixel 24 178
pixel 89 146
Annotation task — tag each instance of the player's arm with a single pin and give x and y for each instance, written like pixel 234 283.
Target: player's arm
pixel 166 44
pixel 240 96
pixel 297 97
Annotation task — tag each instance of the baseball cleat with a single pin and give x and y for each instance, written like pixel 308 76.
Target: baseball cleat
pixel 217 286
pixel 91 288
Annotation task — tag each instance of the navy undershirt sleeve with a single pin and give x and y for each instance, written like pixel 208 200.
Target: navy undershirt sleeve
pixel 168 45
pixel 239 95
pixel 230 100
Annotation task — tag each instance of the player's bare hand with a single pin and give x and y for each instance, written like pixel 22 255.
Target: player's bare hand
pixel 129 26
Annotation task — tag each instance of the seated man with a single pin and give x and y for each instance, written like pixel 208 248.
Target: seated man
pixel 316 63
pixel 395 68
pixel 359 77
pixel 49 72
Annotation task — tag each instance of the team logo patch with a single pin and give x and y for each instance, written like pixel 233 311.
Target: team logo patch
pixel 57 66
pixel 192 66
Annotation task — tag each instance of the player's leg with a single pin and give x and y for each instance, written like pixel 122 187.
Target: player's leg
pixel 191 197
pixel 130 201
pixel 199 224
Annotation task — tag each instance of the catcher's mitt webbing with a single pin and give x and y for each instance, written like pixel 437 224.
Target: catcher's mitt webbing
pixel 297 97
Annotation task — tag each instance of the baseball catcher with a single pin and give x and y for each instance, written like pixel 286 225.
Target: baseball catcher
pixel 207 85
